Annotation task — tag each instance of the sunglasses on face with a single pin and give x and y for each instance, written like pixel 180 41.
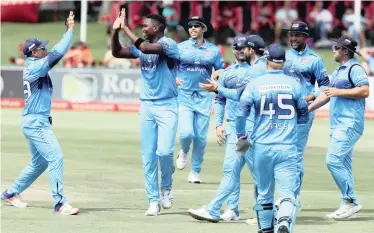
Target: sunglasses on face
pixel 238 48
pixel 194 26
pixel 44 49
pixel 336 48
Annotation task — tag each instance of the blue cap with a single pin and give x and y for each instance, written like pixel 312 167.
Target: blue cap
pixel 299 27
pixel 33 44
pixel 239 41
pixel 276 53
pixel 255 42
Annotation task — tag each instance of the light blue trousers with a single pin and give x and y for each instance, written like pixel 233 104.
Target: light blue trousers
pixel 339 160
pixel 274 164
pixel 229 188
pixel 194 117
pixel 303 135
pixel 46 153
pixel 158 128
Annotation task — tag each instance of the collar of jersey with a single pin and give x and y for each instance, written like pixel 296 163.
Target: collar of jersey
pixel 302 51
pixel 260 59
pixel 244 64
pixel 348 63
pixel 32 58
pixel 275 71
pixel 204 45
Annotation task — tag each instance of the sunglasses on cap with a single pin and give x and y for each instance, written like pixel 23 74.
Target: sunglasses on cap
pixel 194 26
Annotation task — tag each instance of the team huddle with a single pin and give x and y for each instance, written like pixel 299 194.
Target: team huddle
pixel 267 98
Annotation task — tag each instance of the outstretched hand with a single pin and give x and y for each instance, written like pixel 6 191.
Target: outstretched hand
pixel 120 22
pixel 211 87
pixel 70 20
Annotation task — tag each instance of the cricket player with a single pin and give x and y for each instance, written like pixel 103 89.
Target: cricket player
pixel 45 150
pixel 279 106
pixel 253 48
pixel 159 108
pixel 306 67
pixel 347 92
pixel 198 58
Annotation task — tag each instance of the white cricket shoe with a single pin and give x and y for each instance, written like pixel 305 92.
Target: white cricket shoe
pixel 181 160
pixel 67 209
pixel 229 215
pixel 13 199
pixel 154 209
pixel 251 221
pixel 202 214
pixel 346 211
pixel 194 177
pixel 166 199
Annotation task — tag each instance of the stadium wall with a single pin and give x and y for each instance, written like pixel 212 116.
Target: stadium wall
pixel 100 90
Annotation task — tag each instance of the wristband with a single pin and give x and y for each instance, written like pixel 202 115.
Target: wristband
pixel 138 42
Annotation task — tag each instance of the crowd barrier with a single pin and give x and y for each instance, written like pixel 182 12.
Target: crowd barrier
pixel 100 90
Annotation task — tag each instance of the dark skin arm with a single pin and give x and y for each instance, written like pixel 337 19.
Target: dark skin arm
pixel 117 50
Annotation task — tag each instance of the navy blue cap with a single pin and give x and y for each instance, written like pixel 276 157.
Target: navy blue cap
pixel 276 53
pixel 239 41
pixel 255 42
pixel 348 43
pixel 299 27
pixel 33 44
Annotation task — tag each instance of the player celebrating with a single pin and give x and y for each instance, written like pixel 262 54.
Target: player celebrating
pixel 279 106
pixel 45 150
pixel 198 57
pixel 231 86
pixel 159 109
pixel 347 92
pixel 232 163
pixel 307 67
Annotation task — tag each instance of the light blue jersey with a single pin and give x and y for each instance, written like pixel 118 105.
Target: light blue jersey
pixel 307 68
pixel 345 112
pixel 197 63
pixel 234 92
pixel 158 71
pixel 37 84
pixel 46 152
pixel 279 107
pixel 231 77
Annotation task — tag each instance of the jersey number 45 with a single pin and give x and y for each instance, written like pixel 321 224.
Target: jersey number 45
pixel 285 108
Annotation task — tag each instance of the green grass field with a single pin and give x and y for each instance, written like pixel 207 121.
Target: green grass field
pixel 14 33
pixel 103 177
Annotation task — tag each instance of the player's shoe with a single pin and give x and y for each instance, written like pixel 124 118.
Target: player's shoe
pixel 283 229
pixel 66 209
pixel 154 209
pixel 166 199
pixel 194 177
pixel 13 199
pixel 229 215
pixel 181 160
pixel 251 221
pixel 346 211
pixel 202 214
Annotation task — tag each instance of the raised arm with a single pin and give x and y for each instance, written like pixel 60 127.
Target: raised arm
pixel 118 50
pixel 58 51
